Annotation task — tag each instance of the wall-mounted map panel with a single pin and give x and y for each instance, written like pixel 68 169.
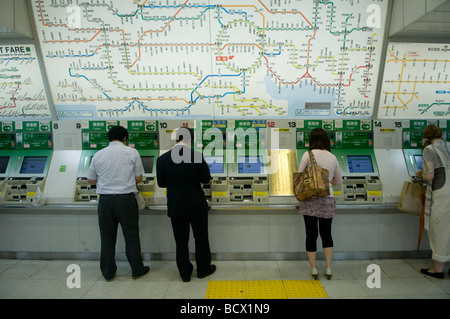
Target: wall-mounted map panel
pixel 22 93
pixel 211 59
pixel 416 81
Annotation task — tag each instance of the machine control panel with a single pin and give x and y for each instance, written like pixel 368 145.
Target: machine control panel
pixel 26 149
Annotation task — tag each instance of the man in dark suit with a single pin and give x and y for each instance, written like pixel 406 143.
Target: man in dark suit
pixel 181 171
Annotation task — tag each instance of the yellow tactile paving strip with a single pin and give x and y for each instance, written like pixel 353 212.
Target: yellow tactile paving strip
pixel 226 290
pixel 304 289
pixel 265 289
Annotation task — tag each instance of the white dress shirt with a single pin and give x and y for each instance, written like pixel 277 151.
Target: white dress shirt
pixel 115 168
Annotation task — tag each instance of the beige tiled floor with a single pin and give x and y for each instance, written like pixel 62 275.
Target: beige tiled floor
pixel 400 278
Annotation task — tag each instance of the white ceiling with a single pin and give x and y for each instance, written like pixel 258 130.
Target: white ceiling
pixel 424 19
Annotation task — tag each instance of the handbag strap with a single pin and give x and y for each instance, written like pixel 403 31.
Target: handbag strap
pixel 312 159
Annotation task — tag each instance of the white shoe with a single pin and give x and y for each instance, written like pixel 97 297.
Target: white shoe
pixel 328 273
pixel 314 273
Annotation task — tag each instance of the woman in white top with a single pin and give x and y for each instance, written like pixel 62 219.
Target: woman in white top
pixel 318 212
pixel 436 170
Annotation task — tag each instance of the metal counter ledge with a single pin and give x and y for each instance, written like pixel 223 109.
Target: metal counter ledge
pixel 68 209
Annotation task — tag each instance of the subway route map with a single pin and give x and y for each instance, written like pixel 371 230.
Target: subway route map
pixel 211 59
pixel 416 81
pixel 22 92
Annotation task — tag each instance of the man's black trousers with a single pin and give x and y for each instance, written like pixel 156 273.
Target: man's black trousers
pixel 112 210
pixel 181 227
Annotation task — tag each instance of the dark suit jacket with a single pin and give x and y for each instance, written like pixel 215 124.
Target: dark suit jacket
pixel 181 173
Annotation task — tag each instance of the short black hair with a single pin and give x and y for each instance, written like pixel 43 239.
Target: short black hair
pixel 117 133
pixel 184 132
pixel 318 139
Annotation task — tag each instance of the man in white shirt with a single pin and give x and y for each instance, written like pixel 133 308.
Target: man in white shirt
pixel 116 170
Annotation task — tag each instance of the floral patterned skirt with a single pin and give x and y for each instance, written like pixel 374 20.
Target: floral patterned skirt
pixel 323 207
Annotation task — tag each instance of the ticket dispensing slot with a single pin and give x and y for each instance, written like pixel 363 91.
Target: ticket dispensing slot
pixel 147 186
pixel 217 191
pixel 85 192
pixel 251 183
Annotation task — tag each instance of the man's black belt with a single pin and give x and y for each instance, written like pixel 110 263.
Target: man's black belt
pixel 116 194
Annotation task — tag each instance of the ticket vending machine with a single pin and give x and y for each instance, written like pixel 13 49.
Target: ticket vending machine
pixel 247 161
pixel 142 135
pixel 412 135
pixel 94 137
pixel 28 160
pixel 351 141
pixel 210 139
pixel 353 147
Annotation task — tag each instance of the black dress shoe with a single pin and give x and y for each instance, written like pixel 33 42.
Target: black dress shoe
pixel 212 269
pixel 186 279
pixel 439 275
pixel 146 270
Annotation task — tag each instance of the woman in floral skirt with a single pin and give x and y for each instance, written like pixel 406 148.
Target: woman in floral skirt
pixel 318 212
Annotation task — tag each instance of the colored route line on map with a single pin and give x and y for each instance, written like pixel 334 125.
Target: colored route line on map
pixel 219 8
pixel 15 99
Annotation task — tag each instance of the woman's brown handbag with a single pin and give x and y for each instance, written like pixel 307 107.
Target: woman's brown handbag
pixel 313 182
pixel 411 198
